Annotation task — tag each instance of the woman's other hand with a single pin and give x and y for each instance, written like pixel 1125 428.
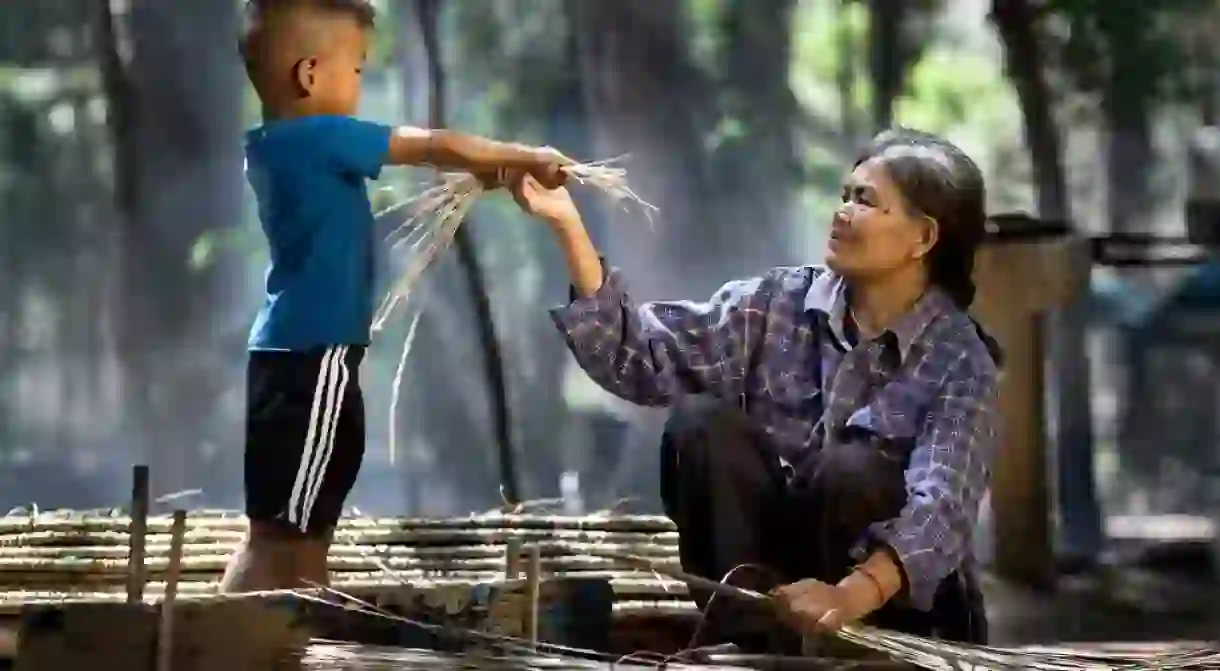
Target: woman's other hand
pixel 554 206
pixel 810 606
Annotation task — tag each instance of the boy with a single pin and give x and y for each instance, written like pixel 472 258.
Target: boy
pixel 308 164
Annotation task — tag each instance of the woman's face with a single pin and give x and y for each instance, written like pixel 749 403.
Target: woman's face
pixel 874 232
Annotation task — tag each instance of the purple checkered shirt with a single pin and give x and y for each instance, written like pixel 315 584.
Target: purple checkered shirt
pixel 777 344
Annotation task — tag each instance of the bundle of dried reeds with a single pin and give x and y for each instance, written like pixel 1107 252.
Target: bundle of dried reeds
pixel 941 655
pixel 433 218
pixel 345 657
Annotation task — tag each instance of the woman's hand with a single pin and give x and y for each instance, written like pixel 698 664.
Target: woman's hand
pixel 811 605
pixel 554 206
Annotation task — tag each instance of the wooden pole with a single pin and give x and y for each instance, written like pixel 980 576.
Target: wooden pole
pixel 1053 272
pixel 165 637
pixel 136 572
pixel 533 571
pixel 428 14
pixel 512 558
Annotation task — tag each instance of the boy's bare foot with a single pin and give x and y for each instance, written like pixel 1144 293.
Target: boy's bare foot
pixel 273 558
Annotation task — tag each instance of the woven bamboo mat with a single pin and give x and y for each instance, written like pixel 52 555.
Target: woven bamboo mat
pixel 70 554
pixel 71 520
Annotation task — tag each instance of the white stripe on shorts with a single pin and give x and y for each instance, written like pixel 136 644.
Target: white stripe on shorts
pixel 312 443
pixel 328 438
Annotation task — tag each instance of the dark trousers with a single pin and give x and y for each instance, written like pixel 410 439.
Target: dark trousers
pixel 732 503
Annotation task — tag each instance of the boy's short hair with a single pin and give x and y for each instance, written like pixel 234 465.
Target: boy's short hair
pixel 258 11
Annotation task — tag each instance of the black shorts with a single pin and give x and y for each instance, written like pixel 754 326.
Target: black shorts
pixel 304 436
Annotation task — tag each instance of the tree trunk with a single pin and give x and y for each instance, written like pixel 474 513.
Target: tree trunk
pixel 1065 330
pixel 493 364
pixel 560 438
pixel 1129 154
pixel 888 60
pixel 757 170
pixel 1023 62
pixel 645 98
pixel 177 178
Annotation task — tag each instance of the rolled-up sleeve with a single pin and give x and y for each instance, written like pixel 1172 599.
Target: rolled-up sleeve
pixel 648 354
pixel 949 472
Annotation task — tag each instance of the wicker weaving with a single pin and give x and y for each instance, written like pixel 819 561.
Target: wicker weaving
pixel 55 556
pixel 58 554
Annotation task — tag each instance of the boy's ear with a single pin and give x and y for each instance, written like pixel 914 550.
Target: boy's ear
pixel 303 75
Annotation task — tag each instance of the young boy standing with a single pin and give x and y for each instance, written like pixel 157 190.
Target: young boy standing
pixel 308 164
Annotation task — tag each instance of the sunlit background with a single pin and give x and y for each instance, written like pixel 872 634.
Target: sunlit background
pixel 131 261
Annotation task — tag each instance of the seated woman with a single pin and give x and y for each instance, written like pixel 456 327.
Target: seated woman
pixel 833 424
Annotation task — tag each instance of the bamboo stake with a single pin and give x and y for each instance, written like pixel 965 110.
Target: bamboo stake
pixel 533 571
pixel 165 638
pixel 136 574
pixel 512 558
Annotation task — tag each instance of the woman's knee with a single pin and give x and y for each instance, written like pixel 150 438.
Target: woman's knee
pixel 708 445
pixel 706 425
pixel 858 484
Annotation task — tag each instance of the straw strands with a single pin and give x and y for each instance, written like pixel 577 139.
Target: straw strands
pixel 919 652
pixel 939 655
pixel 435 214
pixel 946 656
pixel 433 219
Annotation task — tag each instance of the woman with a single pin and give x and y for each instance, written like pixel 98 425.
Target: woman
pixel 833 424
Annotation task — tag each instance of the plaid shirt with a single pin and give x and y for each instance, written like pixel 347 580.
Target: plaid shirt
pixel 777 344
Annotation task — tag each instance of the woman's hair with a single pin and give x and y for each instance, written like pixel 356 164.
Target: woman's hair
pixel 938 180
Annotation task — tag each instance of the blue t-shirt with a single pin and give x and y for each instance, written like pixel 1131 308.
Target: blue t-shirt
pixel 309 176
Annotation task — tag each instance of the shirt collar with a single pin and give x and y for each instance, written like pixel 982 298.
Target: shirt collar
pixel 828 295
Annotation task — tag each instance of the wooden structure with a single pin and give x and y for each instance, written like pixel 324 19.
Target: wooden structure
pixel 432 594
pixel 256 631
pixel 436 594
pixel 479 573
pixel 1024 272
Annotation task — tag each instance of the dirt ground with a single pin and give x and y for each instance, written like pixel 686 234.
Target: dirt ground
pixel 1118 603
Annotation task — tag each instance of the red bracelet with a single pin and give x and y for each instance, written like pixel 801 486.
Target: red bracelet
pixel 876 583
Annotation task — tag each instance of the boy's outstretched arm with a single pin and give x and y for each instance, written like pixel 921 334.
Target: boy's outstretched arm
pixel 449 150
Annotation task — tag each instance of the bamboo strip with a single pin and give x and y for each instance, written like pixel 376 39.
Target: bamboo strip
pixel 432 537
pixel 207 563
pixel 73 521
pixel 649 608
pixel 367 584
pixel 489 550
pixel 623 586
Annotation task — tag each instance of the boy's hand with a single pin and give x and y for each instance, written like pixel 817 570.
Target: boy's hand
pixel 548 167
pixel 552 205
pixel 544 164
